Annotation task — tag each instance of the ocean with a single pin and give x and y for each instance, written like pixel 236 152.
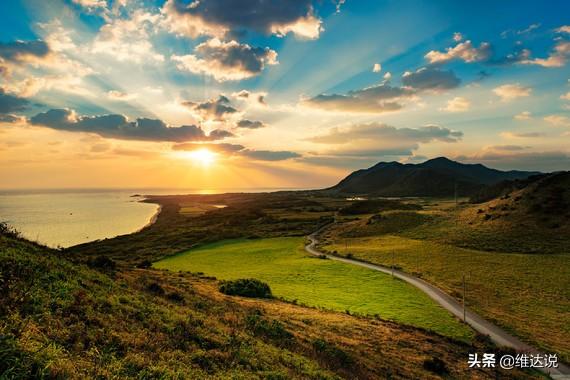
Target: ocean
pixel 63 218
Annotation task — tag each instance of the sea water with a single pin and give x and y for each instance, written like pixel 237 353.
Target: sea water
pixel 63 219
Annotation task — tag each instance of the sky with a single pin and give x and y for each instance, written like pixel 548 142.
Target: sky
pixel 214 94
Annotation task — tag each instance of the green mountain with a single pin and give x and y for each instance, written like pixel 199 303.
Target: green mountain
pixel 437 177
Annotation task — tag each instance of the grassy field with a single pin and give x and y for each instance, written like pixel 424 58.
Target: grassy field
pixel 62 320
pixel 526 294
pixel 295 276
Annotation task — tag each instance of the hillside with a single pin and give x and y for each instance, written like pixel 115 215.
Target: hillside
pixel 64 320
pixel 536 213
pixel 439 177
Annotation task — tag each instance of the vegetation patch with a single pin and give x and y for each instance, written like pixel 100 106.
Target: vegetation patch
pixel 246 287
pixel 372 206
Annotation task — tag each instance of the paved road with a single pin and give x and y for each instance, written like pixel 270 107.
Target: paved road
pixel 497 335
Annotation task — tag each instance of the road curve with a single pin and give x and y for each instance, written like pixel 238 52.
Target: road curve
pixel 497 335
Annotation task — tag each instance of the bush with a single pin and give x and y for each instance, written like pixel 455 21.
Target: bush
pixel 103 262
pixel 435 365
pixel 273 329
pixel 248 287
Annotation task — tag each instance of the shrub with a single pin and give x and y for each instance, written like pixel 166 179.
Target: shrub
pixel 248 287
pixel 103 262
pixel 333 355
pixel 155 288
pixel 435 365
pixel 145 264
pixel 273 329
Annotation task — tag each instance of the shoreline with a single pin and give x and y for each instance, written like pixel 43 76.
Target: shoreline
pixel 152 219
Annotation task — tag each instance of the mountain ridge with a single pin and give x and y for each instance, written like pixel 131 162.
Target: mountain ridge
pixel 439 176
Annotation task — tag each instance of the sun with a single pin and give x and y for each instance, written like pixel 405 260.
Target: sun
pixel 203 156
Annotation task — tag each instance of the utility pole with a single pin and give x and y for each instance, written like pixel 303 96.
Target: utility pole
pixel 464 295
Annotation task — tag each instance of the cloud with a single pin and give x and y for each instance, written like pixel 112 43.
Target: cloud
pixel 10 103
pixel 457 104
pixel 23 51
pixel 214 109
pixel 119 127
pixel 120 96
pixel 565 96
pixel 268 155
pixel 510 148
pixel 464 51
pixel 226 60
pixel 525 115
pixel 387 76
pixel 366 143
pixel 254 98
pixel 376 68
pixel 380 132
pixel 250 124
pixel 91 4
pixel 240 151
pixel 508 92
pixel 431 78
pixel 129 39
pixel 563 29
pixel 542 161
pixel 11 118
pixel 510 135
pixel 558 120
pixel 218 18
pixel 529 29
pixel 457 37
pixel 376 99
pixel 557 58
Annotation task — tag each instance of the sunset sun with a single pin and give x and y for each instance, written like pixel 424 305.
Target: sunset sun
pixel 203 156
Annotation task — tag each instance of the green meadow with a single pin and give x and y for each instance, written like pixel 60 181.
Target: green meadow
pixel 296 276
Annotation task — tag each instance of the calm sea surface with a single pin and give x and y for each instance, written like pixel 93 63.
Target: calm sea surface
pixel 66 218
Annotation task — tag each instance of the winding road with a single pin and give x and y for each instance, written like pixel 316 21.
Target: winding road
pixel 497 335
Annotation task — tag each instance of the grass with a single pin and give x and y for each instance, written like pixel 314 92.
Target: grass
pixel 526 294
pixel 296 276
pixel 60 319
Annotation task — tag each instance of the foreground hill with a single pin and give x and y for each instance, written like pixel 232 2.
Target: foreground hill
pixel 439 177
pixel 64 320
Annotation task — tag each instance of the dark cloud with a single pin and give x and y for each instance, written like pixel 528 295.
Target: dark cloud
pixel 220 148
pixel 21 50
pixel 250 124
pixel 385 133
pixel 10 103
pixel 226 60
pixel 431 78
pixel 268 155
pixel 9 118
pixel 117 126
pixel 258 97
pixel 213 109
pixel 240 150
pixel 376 99
pixel 219 17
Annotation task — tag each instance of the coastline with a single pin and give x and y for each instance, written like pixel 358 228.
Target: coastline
pixel 152 219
